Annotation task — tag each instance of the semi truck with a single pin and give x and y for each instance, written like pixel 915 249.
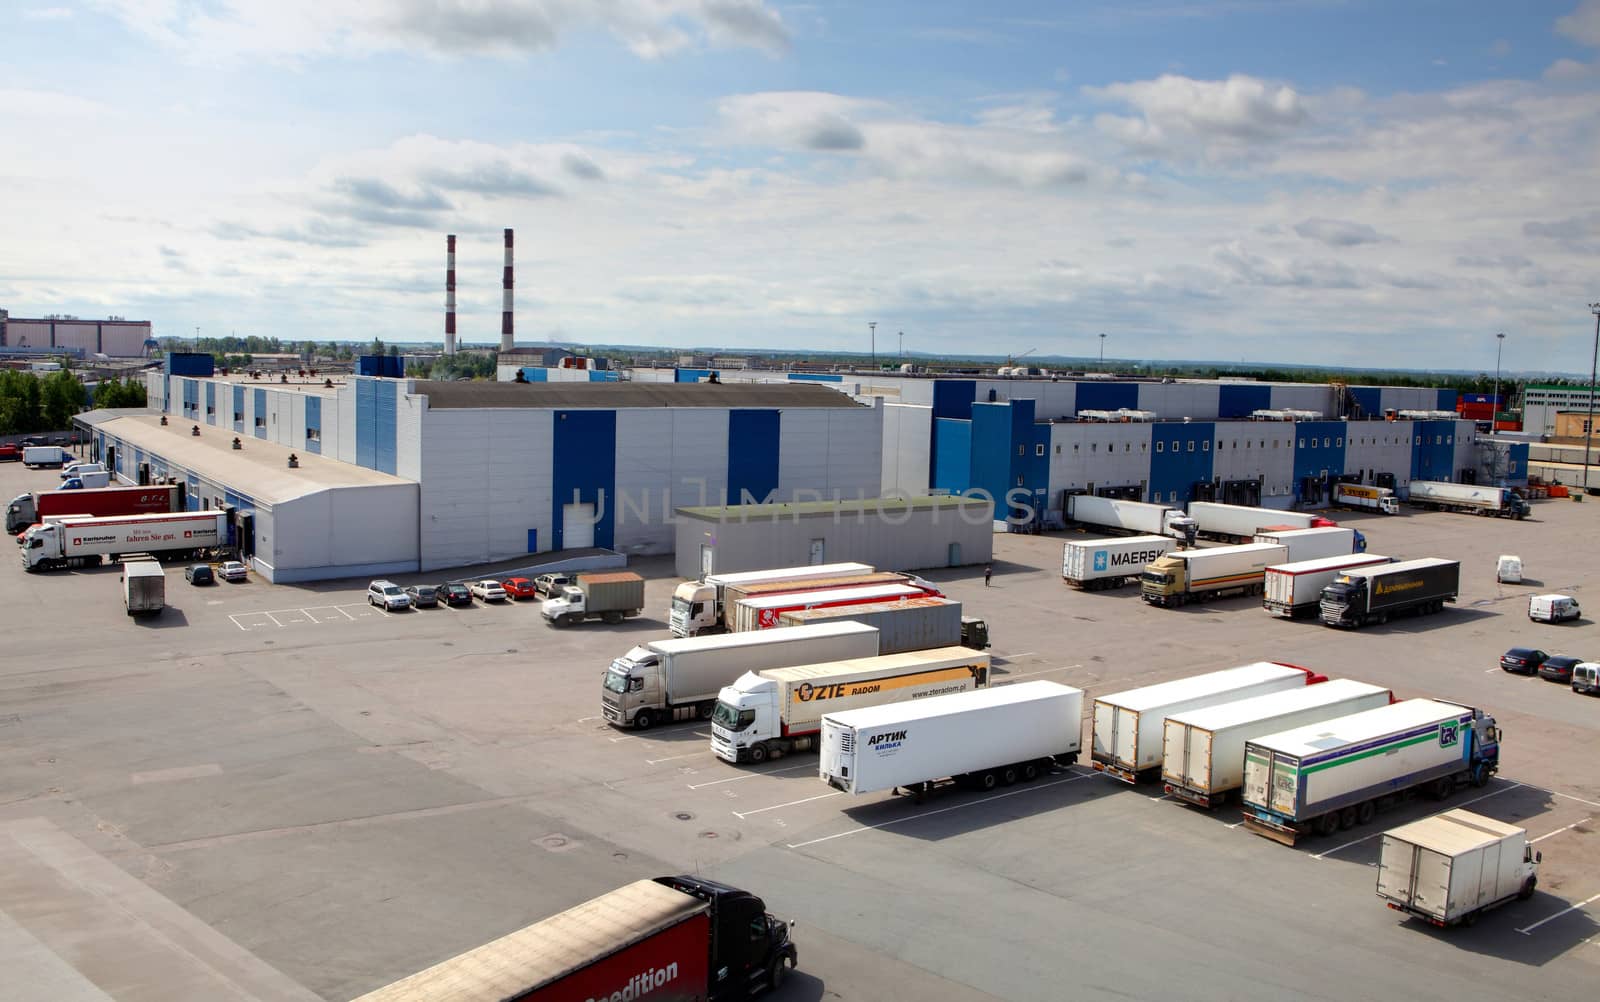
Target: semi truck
pixel 1127 731
pixel 611 596
pixel 763 613
pixel 1309 544
pixel 979 739
pixel 1188 576
pixel 144 585
pixel 1202 757
pixel 1339 773
pixel 666 679
pixel 1363 595
pixel 773 712
pixel 26 509
pixel 1451 868
pixel 913 624
pixel 1379 499
pixel 1117 515
pixel 733 594
pixel 1234 523
pixel 1470 498
pixel 681 937
pixel 1295 588
pixel 1094 564
pixel 697 606
pixel 81 541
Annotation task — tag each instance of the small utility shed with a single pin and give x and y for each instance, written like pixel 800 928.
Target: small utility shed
pixel 899 534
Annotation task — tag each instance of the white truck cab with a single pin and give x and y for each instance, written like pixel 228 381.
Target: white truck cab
pixel 746 717
pixel 694 609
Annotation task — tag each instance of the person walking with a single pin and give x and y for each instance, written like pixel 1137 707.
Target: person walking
pixel 988 572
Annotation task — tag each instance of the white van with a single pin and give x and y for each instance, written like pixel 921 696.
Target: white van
pixel 1508 569
pixel 1586 677
pixel 1552 608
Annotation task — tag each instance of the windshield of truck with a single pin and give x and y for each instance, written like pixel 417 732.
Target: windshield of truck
pixel 732 718
pixel 680 606
pixel 1152 577
pixel 616 681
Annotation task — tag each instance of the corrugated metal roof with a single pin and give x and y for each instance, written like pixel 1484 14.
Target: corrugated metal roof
pixel 466 395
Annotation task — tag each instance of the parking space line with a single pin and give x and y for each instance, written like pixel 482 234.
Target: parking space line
pixel 273 618
pixel 741 815
pixel 584 720
pixel 1569 796
pixel 673 758
pixel 749 775
pixel 1558 831
pixel 942 810
pixel 1474 800
pixel 1527 930
pixel 346 613
pixel 1043 671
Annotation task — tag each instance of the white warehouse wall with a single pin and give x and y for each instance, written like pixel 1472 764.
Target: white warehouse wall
pixel 1264 451
pixel 907 434
pixel 1088 457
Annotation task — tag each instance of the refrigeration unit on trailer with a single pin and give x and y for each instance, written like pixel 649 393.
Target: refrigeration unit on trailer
pixel 1235 523
pixel 1127 729
pixel 1363 595
pixel 1203 750
pixel 1339 773
pixel 1111 563
pixel 1198 575
pixel 660 680
pixel 1293 589
pixel 764 613
pixel 697 606
pixel 982 739
pixel 912 624
pixel 1118 515
pixel 773 712
pixel 1453 867
pixel 76 541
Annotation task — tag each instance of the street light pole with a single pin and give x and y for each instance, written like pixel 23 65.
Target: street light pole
pixel 902 347
pixel 872 326
pixel 1102 351
pixel 1588 426
pixel 1494 404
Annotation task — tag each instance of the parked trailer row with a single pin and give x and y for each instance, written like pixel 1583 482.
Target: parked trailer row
pixel 697 606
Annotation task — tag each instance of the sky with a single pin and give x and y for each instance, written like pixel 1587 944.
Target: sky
pixel 1341 182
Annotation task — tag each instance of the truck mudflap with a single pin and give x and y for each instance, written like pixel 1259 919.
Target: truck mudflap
pixel 1187 795
pixel 1268 826
pixel 1116 772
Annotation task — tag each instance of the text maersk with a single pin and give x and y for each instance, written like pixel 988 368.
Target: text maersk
pixel 1133 558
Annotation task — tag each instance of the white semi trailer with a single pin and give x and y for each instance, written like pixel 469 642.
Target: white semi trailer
pixel 81 540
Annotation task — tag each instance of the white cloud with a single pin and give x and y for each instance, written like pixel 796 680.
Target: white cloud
pixel 1583 24
pixel 1171 107
pixel 46 104
pixel 1337 232
pixel 47 13
pixel 1568 69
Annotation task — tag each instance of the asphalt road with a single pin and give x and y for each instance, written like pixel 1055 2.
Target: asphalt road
pixel 278 792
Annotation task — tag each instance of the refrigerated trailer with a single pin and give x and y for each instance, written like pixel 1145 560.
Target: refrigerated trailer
pixel 1126 516
pixel 1198 575
pixel 1363 595
pixel 669 938
pixel 1237 523
pixel 1455 866
pixel 1311 544
pixel 1474 499
pixel 697 606
pixel 1295 588
pixel 1339 773
pixel 663 679
pixel 26 509
pixel 1111 563
pixel 76 541
pixel 733 594
pixel 982 739
pixel 773 712
pixel 1202 759
pixel 1127 729
pixel 763 613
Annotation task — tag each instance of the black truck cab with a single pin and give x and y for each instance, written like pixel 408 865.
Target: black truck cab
pixel 750 949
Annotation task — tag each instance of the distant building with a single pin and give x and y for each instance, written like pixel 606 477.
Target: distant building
pixel 114 337
pixel 1542 402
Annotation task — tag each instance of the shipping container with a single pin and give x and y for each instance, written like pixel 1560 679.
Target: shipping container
pixel 1294 588
pixel 1111 563
pixel 912 624
pixel 763 613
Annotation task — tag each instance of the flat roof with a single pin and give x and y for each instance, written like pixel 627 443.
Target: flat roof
pixel 260 469
pixel 308 386
pixel 468 395
pixel 843 506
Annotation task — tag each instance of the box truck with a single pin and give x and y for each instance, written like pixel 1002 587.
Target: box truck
pixel 1473 499
pixel 1118 515
pixel 1234 523
pixel 1455 866
pixel 1339 773
pixel 86 480
pixel 1364 595
pixel 979 739
pixel 1110 563
pixel 1197 575
pixel 26 509
pixel 733 594
pixel 610 596
pixel 669 938
pixel 78 541
pixel 1295 588
pixel 697 606
pixel 1310 544
pixel 1202 754
pixel 913 624
pixel 763 613
pixel 38 457
pixel 1379 499
pixel 144 585
pixel 1127 728
pixel 666 679
pixel 769 713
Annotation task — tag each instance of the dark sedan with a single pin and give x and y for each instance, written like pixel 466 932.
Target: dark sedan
pixel 1522 660
pixel 1558 668
pixel 454 594
pixel 423 596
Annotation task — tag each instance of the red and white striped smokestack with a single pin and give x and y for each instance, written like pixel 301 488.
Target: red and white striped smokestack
pixel 450 295
pixel 507 340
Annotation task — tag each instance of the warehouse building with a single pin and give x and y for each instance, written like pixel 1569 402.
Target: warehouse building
pixel 900 534
pixel 116 338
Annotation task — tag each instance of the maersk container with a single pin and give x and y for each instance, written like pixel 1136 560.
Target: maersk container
pixel 1338 773
pixel 763 613
pixel 1295 588
pixel 1203 750
pixel 1311 544
pixel 913 624
pixel 1127 730
pixel 986 738
pixel 1110 563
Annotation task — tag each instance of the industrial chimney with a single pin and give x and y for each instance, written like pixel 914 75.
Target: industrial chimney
pixel 450 295
pixel 507 339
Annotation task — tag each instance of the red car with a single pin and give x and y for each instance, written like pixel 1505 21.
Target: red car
pixel 519 587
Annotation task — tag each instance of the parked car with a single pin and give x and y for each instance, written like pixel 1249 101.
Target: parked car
pixel 1508 569
pixel 199 574
pixel 1522 660
pixel 551 584
pixel 454 594
pixel 1553 608
pixel 387 595
pixel 1586 678
pixel 10 453
pixel 519 587
pixel 233 570
pixel 422 596
pixel 1558 668
pixel 488 590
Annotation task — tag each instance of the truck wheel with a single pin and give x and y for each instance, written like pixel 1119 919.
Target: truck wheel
pixel 1443 787
pixel 1347 818
pixel 705 710
pixel 778 973
pixel 1030 771
pixel 988 780
pixel 758 754
pixel 1328 824
pixel 643 719
pixel 1008 776
pixel 612 618
pixel 1366 812
pixel 1480 775
pixel 1470 919
pixel 1526 891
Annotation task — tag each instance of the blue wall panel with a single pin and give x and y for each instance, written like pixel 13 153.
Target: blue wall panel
pixel 1180 455
pixel 817 377
pixel 1433 450
pixel 1235 401
pixel 585 469
pixel 1447 400
pixel 991 452
pixel 690 375
pixel 1371 400
pixel 604 376
pixel 534 374
pixel 1105 396
pixel 237 415
pixel 386 406
pixel 752 454
pixel 1517 464
pixel 1323 449
pixel 314 424
pixel 952 398
pixel 261 414
pixel 951 469
pixel 366 423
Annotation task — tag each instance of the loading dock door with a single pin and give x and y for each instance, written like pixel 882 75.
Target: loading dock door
pixel 577 526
